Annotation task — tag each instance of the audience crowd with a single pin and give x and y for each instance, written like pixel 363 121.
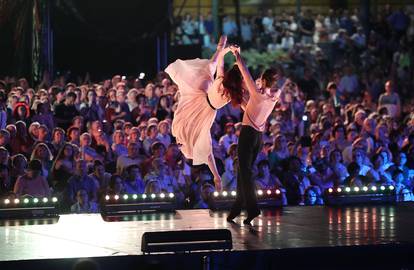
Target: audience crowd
pixel 348 122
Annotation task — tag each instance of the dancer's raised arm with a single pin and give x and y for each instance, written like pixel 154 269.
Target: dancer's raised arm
pixel 247 77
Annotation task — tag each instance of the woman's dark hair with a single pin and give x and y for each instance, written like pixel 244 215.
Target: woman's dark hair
pixel 269 77
pixel 232 84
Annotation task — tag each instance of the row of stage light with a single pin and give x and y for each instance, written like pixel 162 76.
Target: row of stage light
pixel 135 203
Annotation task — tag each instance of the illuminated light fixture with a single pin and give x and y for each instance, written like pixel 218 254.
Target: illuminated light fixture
pixel 277 191
pixel 35 200
pixel 356 189
pixel 162 195
pixel 339 189
pixel 26 200
pixel 144 196
pixel 365 188
pixel 216 194
pixel 125 196
pixel 16 201
pixel 6 201
pixel 348 189
pixel 382 188
pixel 116 197
pixel 269 192
pixel 171 195
pixel 330 190
pixel 225 194
pixel 107 197
pixel 233 193
pixel 374 188
pixel 391 187
pixel 153 196
pixel 45 200
pixel 54 199
pixel 134 196
pixel 260 192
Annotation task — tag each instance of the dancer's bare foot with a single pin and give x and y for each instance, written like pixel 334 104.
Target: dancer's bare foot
pixel 222 43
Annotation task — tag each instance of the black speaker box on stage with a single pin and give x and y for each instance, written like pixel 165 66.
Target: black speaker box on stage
pixel 186 241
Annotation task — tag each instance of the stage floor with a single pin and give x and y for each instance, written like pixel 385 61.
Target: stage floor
pixel 73 236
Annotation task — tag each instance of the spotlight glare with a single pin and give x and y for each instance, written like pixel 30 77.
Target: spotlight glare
pixel 116 197
pixel 365 188
pixel 16 201
pixel 339 190
pixel 269 192
pixel 144 196
pixel 348 189
pixel 125 196
pixel 374 188
pixel 153 196
pixel 382 188
pixel 356 189
pixel 224 193
pixel 26 200
pixel 233 193
pixel 54 199
pixel 6 201
pixel 45 200
pixel 134 196
pixel 171 195
pixel 277 191
pixel 391 187
pixel 107 197
pixel 330 190
pixel 216 194
pixel 35 200
pixel 162 195
pixel 260 192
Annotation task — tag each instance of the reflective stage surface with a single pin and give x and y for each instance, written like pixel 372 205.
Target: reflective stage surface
pixel 72 236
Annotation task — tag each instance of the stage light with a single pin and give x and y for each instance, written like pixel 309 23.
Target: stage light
pixel 382 188
pixel 107 197
pixel 144 196
pixel 134 196
pixel 348 189
pixel 374 188
pixel 260 192
pixel 269 192
pixel 356 189
pixel 16 201
pixel 330 190
pixel 277 191
pixel 141 75
pixel 171 195
pixel 162 195
pixel 365 188
pixel 54 199
pixel 216 194
pixel 6 201
pixel 35 200
pixel 153 196
pixel 26 200
pixel 224 193
pixel 125 196
pixel 233 193
pixel 391 187
pixel 339 190
pixel 116 197
pixel 45 200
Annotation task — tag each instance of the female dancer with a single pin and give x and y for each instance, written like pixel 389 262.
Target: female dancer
pixel 200 95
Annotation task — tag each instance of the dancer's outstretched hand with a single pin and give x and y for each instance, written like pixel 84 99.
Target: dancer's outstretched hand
pixel 235 49
pixel 217 184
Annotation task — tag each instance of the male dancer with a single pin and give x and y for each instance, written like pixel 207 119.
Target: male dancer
pixel 259 106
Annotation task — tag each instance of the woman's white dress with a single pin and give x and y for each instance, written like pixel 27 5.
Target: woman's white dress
pixel 194 116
